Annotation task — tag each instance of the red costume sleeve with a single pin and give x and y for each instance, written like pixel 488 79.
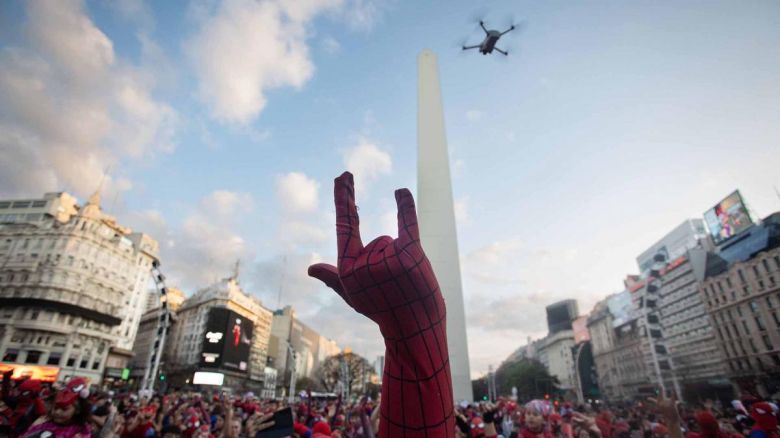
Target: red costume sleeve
pixel 391 282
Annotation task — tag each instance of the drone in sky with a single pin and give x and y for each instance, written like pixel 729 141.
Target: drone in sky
pixel 491 38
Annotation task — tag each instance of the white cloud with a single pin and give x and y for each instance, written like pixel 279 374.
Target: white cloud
pixel 71 109
pixel 298 232
pixel 225 203
pixel 462 211
pixel 474 115
pixel 247 47
pixel 204 247
pixel 362 15
pixel 331 45
pixel 297 193
pixel 367 162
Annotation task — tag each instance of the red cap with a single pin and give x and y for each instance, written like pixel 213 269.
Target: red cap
pixel 300 429
pixel 76 387
pixel 30 385
pixel 321 427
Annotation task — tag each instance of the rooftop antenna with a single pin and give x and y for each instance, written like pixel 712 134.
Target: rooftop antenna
pixel 236 269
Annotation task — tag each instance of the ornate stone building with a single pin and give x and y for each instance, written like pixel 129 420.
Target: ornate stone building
pixel 186 339
pixel 73 285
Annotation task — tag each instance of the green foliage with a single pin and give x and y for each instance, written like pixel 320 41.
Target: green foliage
pixel 329 373
pixel 529 376
pixel 307 384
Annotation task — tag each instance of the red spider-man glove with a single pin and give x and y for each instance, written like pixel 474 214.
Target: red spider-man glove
pixel 391 282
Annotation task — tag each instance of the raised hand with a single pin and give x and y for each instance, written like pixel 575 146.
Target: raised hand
pixel 391 282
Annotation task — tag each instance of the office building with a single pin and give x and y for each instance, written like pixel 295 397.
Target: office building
pixel 221 303
pixel 560 315
pixel 741 291
pixel 674 244
pixel 73 284
pixel 288 335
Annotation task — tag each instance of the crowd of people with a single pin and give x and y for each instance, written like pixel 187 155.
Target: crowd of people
pixel 74 410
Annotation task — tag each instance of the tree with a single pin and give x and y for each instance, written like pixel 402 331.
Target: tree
pixel 307 384
pixel 529 376
pixel 330 372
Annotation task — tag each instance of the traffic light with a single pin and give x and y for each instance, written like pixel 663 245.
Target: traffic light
pixel 162 376
pixel 547 396
pixel 484 398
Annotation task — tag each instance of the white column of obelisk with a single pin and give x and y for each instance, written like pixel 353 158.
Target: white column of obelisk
pixel 436 216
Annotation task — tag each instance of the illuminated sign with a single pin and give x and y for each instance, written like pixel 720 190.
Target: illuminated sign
pixel 214 337
pixel 208 378
pixel 37 372
pixel 728 218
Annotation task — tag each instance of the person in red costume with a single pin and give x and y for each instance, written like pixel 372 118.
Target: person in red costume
pixel 28 406
pixel 391 282
pixel 69 417
pixel 536 414
pixel 766 422
pixel 236 333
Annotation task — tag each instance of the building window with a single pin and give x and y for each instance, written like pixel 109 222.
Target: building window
pixel 34 314
pixel 769 302
pixel 754 306
pixel 10 355
pixel 745 326
pixel 54 359
pixel 753 346
pixel 71 361
pixel 33 357
pixel 83 363
pixel 755 271
pixel 95 365
pixel 777 321
pixel 739 311
pixel 760 285
pixel 760 323
pixel 741 276
pixel 745 291
pixel 728 282
pixel 768 343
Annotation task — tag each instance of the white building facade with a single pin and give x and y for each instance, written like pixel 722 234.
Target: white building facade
pixel 73 285
pixel 187 338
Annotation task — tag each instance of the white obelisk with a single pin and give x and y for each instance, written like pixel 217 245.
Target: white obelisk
pixel 436 216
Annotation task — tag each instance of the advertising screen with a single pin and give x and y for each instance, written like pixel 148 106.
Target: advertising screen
pixel 728 218
pixel 622 308
pixel 37 372
pixel 227 340
pixel 580 328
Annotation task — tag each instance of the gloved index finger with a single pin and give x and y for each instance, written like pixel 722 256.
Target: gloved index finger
pixel 408 230
pixel 347 221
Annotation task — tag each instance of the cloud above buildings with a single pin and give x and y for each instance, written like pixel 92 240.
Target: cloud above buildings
pixel 71 109
pixel 205 245
pixel 508 283
pixel 245 48
pixel 367 162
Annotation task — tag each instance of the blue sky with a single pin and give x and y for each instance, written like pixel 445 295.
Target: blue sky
pixel 222 125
